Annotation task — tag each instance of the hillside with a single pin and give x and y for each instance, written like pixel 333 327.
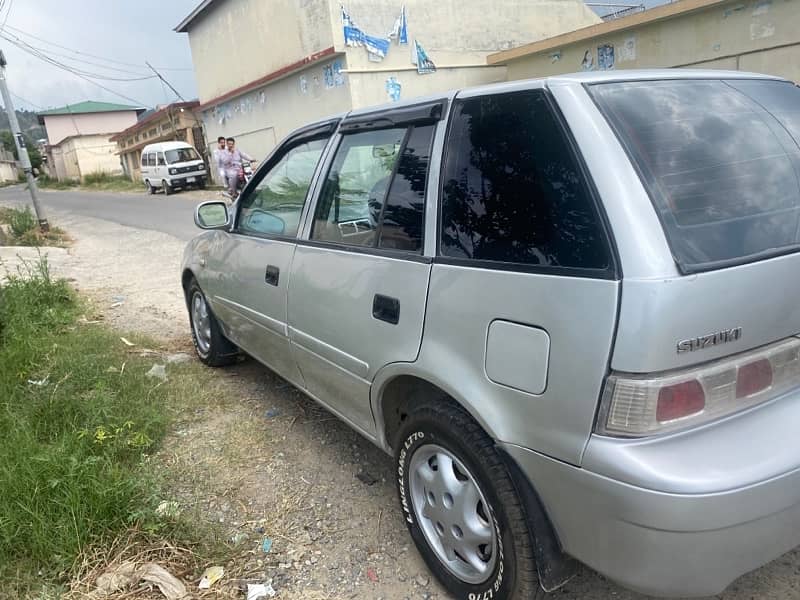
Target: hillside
pixel 27 123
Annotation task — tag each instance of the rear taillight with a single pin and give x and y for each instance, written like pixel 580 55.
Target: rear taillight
pixel 635 405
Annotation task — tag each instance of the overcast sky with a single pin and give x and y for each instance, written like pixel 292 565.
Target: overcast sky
pixel 120 30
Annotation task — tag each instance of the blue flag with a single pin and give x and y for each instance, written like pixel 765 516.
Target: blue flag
pixel 424 64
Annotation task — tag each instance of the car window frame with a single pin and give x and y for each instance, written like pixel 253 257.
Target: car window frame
pixel 611 272
pixel 324 177
pixel 423 114
pixel 318 131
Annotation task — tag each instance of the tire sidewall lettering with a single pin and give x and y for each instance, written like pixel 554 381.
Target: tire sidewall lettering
pixel 490 590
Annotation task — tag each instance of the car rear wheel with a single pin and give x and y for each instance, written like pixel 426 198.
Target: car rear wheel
pixel 461 507
pixel 150 189
pixel 167 188
pixel 212 347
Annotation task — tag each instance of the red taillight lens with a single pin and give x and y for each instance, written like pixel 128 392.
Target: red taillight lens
pixel 753 377
pixel 680 400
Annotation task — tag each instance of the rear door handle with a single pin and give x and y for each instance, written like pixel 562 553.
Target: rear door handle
pixel 272 275
pixel 386 308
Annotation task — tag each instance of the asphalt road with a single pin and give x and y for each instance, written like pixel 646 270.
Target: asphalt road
pixel 168 214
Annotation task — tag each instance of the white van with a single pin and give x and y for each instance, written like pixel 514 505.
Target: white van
pixel 170 165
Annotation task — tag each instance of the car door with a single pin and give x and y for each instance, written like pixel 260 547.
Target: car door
pixel 359 278
pixel 161 168
pixel 253 260
pixel 147 174
pixel 524 291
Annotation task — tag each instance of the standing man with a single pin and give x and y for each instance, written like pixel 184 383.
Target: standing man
pixel 232 162
pixel 218 152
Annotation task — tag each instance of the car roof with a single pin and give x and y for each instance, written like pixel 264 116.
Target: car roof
pixel 166 146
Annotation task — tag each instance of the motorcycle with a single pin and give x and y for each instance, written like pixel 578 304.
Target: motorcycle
pixel 245 175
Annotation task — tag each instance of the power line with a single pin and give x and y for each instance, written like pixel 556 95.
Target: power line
pixel 76 73
pixel 40 54
pixel 111 60
pixel 177 93
pixel 10 4
pixel 27 101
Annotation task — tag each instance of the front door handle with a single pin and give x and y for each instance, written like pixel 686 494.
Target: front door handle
pixel 386 308
pixel 272 275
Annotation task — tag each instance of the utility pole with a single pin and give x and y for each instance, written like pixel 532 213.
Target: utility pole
pixel 153 69
pixel 22 151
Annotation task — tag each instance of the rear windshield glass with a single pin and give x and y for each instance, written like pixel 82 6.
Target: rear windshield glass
pixel 181 155
pixel 720 160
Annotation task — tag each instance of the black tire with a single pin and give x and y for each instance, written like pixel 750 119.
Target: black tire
pixel 167 187
pixel 444 424
pixel 220 351
pixel 150 189
pixel 202 184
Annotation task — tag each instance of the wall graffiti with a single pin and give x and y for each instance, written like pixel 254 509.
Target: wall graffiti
pixel 605 57
pixel 587 64
pixel 393 89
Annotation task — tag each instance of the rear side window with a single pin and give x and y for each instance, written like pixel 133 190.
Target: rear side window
pixel 374 193
pixel 513 191
pixel 720 161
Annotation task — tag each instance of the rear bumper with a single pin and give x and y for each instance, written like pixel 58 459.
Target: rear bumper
pixel 665 544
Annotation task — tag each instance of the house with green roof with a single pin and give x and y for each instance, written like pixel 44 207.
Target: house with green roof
pixel 78 137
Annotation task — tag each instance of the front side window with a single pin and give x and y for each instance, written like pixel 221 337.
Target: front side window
pixel 161 162
pixel 181 155
pixel 352 197
pixel 275 204
pixel 720 160
pixel 513 191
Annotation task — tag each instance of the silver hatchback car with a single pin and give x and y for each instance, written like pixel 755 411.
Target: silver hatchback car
pixel 567 307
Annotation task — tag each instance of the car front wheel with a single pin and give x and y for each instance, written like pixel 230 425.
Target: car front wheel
pixel 212 347
pixel 461 507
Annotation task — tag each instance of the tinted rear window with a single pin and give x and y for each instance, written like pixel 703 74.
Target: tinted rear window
pixel 513 191
pixel 720 160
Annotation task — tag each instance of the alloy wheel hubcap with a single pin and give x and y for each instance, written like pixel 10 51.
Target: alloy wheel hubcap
pixel 201 322
pixel 453 514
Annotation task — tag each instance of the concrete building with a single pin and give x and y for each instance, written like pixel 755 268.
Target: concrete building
pixel 8 166
pixel 176 121
pixel 264 68
pixel 746 35
pixel 78 137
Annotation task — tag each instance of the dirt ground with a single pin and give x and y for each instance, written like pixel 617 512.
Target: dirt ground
pixel 266 462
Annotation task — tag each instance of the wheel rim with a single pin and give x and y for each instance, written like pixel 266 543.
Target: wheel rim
pixel 453 514
pixel 201 322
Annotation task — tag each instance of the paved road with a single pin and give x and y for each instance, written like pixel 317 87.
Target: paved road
pixel 172 215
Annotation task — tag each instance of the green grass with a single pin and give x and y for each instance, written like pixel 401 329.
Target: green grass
pixel 101 181
pixel 24 230
pixel 79 419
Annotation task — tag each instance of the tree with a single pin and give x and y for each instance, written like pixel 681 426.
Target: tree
pixel 7 140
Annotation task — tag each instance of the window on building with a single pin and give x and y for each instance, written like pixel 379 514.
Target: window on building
pixel 512 189
pixel 153 132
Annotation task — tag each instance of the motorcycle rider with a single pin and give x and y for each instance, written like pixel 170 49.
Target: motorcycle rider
pixel 231 162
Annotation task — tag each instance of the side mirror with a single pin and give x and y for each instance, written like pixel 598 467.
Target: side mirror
pixel 211 215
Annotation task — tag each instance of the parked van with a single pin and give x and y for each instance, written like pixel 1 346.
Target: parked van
pixel 567 307
pixel 170 165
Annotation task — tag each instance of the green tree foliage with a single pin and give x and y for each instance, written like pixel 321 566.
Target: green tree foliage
pixel 7 140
